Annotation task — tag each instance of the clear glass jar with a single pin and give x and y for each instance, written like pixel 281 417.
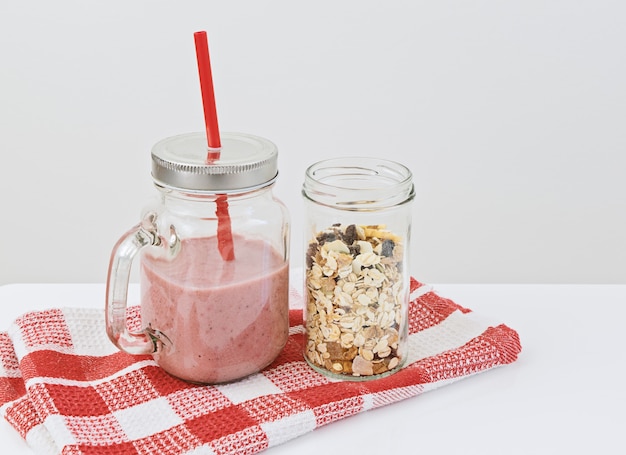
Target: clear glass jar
pixel 214 267
pixel 357 232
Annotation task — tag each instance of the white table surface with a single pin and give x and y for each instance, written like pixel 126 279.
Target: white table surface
pixel 565 394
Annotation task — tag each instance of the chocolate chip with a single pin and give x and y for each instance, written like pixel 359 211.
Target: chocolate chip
pixel 326 237
pixel 387 248
pixel 310 254
pixel 350 235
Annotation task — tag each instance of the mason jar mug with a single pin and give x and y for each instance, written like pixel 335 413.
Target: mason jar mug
pixel 213 251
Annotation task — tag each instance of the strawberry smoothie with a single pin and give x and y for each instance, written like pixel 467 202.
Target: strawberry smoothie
pixel 216 320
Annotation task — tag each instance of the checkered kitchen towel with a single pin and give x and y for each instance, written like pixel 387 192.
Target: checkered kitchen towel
pixel 67 390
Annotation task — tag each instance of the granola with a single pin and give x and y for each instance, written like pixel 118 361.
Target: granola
pixel 354 304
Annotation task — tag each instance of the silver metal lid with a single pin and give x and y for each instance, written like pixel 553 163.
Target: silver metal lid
pixel 245 162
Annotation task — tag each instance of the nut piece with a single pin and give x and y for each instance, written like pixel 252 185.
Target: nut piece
pixel 353 310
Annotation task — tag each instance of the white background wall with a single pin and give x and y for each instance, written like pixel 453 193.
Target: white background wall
pixel 511 115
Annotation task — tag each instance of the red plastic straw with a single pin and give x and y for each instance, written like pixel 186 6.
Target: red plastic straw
pixel 208 95
pixel 224 234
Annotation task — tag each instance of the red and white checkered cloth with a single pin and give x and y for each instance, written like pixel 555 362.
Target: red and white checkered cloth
pixel 67 390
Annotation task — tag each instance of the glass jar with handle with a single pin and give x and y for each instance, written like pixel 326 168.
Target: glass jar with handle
pixel 214 262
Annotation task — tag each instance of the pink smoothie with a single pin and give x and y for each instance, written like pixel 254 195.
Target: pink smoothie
pixel 221 320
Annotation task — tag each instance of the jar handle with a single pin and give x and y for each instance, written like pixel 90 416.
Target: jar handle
pixel 142 235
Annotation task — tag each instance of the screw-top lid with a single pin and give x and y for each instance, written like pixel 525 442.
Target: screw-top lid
pixel 245 162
